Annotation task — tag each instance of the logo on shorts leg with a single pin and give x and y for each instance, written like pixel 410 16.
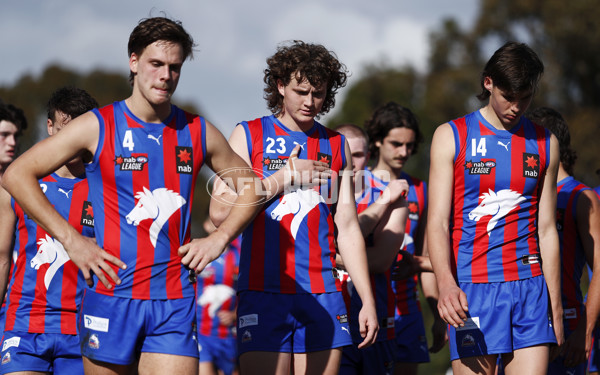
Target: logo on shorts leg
pixel 93 342
pixel 248 320
pixel 467 341
pixel 342 318
pixel 6 358
pixel 246 337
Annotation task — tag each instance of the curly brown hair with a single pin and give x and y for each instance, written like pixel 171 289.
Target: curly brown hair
pixel 303 61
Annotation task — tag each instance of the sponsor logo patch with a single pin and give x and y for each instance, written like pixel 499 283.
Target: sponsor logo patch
pixel 6 358
pixel 467 340
pixel 247 336
pixel 95 323
pixel 275 164
pixel 10 343
pixel 87 214
pixel 184 159
pixel 248 320
pixel 342 318
pixel 131 163
pixel 483 167
pixel 413 210
pixel 531 165
pixel 324 158
pixel 569 314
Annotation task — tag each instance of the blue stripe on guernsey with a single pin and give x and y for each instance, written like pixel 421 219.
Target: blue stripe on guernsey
pixel 45 286
pixel 571 249
pixel 290 251
pixel 498 178
pixel 142 177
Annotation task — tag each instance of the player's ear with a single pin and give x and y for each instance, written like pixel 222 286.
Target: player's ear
pixel 49 126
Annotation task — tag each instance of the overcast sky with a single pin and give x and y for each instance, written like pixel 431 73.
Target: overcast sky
pixel 234 38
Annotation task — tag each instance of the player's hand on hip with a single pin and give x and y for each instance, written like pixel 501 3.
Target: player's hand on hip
pixel 92 260
pixel 452 305
pixel 368 326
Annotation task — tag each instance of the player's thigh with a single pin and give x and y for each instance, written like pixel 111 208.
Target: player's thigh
pixel 93 367
pixel 326 362
pixel 531 360
pixel 481 365
pixel 406 368
pixel 159 363
pixel 259 363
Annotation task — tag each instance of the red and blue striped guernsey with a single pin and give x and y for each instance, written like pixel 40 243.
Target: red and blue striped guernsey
pixel 45 286
pixel 572 256
pixel 498 178
pixel 289 246
pixel 142 182
pixel 216 291
pixel 407 301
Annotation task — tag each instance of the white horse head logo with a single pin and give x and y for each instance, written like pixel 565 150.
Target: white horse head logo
pixel 214 296
pixel 49 251
pixel 497 205
pixel 157 205
pixel 298 203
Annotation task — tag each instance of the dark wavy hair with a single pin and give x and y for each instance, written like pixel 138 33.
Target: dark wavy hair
pixel 553 121
pixel 10 113
pixel 303 61
pixel 150 30
pixel 387 117
pixel 71 101
pixel 514 68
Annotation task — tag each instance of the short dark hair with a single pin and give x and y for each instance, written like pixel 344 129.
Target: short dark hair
pixel 71 101
pixel 555 122
pixel 311 62
pixel 387 117
pixel 514 68
pixel 150 30
pixel 10 113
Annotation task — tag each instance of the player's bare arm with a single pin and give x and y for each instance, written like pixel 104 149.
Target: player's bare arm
pixel 21 181
pixel 249 199
pixel 452 303
pixel 578 345
pixel 7 232
pixel 389 232
pixel 549 242
pixel 352 249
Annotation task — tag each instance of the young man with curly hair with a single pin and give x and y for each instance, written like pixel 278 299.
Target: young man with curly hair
pixel 291 313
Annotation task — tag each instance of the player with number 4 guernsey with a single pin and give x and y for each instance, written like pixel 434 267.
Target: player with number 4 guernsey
pixel 491 223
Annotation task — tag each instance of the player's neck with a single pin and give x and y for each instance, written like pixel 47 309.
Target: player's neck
pixel 147 112
pixel 294 125
pixel 562 173
pixel 386 173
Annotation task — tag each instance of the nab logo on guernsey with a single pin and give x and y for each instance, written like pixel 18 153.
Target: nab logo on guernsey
pixel 184 159
pixel 131 163
pixel 275 164
pixel 480 167
pixel 324 158
pixel 87 214
pixel 531 165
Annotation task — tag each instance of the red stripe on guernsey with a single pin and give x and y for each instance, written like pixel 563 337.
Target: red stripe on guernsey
pixel 315 265
pixel 173 281
pixel 257 257
pixel 112 229
pixel 38 305
pixel 511 228
pixel 459 190
pixel 145 250
pixel 278 130
pixel 17 286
